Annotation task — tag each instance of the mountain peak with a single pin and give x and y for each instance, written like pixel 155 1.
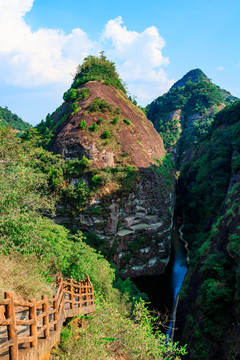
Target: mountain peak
pixel 195 75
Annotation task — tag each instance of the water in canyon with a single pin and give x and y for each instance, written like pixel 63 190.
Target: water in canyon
pixel 162 290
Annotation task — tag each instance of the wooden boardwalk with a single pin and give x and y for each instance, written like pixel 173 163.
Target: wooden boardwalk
pixel 29 329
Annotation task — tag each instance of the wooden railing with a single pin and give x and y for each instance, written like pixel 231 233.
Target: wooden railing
pixel 29 329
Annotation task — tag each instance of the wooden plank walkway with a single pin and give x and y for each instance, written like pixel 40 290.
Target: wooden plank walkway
pixel 29 329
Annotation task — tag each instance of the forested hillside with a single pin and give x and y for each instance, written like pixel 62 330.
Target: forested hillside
pixel 191 104
pixel 208 195
pixel 7 118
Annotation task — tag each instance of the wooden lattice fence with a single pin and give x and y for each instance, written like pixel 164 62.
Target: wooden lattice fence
pixel 29 329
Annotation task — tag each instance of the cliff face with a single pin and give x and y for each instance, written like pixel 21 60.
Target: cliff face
pixel 136 224
pixel 134 218
pixel 138 140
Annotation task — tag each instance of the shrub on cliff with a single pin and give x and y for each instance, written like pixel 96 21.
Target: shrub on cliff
pixel 82 125
pixel 128 122
pixel 106 134
pixel 73 94
pixel 100 105
pixel 114 120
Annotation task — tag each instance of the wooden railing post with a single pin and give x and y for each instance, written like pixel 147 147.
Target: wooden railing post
pixel 71 295
pixel 61 291
pixel 80 295
pixel 33 326
pixel 12 328
pixel 84 291
pixel 46 317
pixel 56 316
pixel 88 291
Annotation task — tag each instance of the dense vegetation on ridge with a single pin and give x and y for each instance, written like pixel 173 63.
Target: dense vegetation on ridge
pixel 7 118
pixel 99 69
pixel 193 94
pixel 195 76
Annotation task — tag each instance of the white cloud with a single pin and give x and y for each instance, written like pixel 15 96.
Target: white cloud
pixel 47 56
pixel 139 58
pixel 220 68
pixel 40 57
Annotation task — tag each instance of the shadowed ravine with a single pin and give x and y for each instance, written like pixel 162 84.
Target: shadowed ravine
pixel 162 290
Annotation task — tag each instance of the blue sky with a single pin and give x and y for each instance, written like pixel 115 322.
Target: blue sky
pixel 153 44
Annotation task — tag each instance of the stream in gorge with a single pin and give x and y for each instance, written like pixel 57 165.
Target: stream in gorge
pixel 162 289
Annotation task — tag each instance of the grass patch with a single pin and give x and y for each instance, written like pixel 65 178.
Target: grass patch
pixel 23 275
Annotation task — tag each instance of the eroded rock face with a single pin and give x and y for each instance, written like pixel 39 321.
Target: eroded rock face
pixel 139 139
pixel 136 226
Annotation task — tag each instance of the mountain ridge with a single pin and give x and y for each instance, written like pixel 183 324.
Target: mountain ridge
pixel 195 75
pixel 7 118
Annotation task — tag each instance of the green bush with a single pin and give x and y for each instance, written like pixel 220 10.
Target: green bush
pixel 94 127
pixel 128 122
pixel 100 121
pixel 74 94
pixel 84 162
pixel 99 105
pixel 83 93
pixel 82 125
pixel 71 95
pixel 98 69
pixel 114 120
pixel 74 106
pixel 96 179
pixel 106 134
